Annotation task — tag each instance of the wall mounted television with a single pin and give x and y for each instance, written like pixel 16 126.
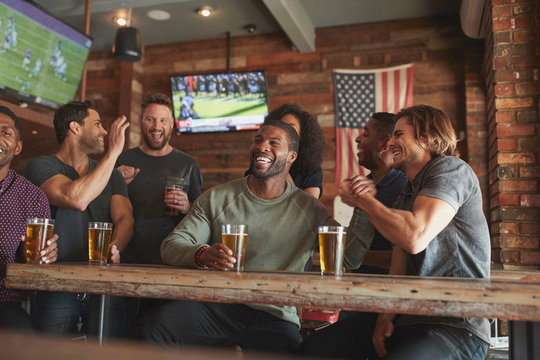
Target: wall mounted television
pixel 41 58
pixel 219 102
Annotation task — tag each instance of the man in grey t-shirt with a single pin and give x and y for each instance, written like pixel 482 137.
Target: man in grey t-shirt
pixel 145 169
pixel 438 228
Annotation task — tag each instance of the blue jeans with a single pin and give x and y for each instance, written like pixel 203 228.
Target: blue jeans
pixel 59 312
pixel 350 338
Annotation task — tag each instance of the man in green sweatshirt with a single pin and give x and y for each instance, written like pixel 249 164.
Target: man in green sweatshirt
pixel 282 229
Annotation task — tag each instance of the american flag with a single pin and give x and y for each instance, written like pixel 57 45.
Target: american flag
pixel 358 94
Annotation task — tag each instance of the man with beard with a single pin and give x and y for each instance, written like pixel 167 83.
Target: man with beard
pixel 282 222
pixel 145 169
pixel 368 246
pixel 438 228
pixel 81 190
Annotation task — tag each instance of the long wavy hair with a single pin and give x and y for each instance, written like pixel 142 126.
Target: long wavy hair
pixel 311 147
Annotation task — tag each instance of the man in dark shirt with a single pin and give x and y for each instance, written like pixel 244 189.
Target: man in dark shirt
pixel 81 190
pixel 370 247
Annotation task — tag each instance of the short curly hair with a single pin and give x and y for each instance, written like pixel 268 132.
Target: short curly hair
pixel 311 145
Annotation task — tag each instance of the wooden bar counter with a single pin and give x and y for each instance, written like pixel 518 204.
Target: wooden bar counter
pixel 500 297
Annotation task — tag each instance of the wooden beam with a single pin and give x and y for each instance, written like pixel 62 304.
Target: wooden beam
pixel 42 118
pixel 458 297
pixel 294 20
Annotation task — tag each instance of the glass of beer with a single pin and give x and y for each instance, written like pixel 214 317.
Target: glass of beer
pixel 235 238
pixel 331 247
pixel 173 183
pixel 38 230
pixel 99 237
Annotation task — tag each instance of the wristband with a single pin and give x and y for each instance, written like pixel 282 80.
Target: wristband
pixel 198 256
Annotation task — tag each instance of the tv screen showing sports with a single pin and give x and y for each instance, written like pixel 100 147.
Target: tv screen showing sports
pixel 219 102
pixel 41 58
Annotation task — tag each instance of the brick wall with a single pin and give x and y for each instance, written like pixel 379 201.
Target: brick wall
pixel 435 45
pixel 511 73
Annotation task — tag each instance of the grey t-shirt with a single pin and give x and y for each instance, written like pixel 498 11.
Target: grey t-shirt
pixel 72 225
pixel 146 193
pixel 462 249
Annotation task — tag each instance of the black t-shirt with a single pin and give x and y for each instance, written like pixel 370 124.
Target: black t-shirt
pixel 72 225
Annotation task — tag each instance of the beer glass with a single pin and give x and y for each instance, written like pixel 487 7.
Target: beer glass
pixel 38 230
pixel 173 183
pixel 99 237
pixel 331 247
pixel 235 238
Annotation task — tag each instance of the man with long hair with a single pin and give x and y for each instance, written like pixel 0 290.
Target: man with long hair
pixel 438 228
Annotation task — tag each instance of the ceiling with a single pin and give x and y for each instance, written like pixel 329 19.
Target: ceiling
pixel 297 18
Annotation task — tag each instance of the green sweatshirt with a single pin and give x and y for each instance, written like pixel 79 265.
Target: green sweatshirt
pixel 281 231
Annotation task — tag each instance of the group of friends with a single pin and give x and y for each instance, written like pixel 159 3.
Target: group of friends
pixel 418 212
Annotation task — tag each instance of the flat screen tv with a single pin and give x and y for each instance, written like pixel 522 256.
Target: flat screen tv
pixel 41 58
pixel 219 102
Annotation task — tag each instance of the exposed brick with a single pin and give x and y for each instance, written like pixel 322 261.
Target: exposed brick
pixel 524 35
pixel 503 75
pixel 499 63
pixel 522 9
pixel 504 116
pixel 507 199
pixel 523 62
pixel 504 89
pixel 501 11
pixel 502 37
pixel 530 257
pixel 527 117
pixel 529 228
pixel 526 88
pixel 501 25
pixel 516 130
pixel 513 103
pixel 515 158
pixel 510 256
pixel 529 144
pixel 513 50
pixel 530 200
pixel 508 228
pixel 501 2
pixel 529 172
pixel 506 144
pixel 507 172
pixel 518 242
pixel 517 185
pixel 515 214
pixel 525 22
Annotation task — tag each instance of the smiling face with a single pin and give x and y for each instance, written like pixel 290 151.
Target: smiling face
pixel 92 138
pixel 269 153
pixel 156 126
pixel 369 144
pixel 10 142
pixel 410 153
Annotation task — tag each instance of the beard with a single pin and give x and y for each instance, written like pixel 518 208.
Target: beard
pixel 152 145
pixel 276 168
pixel 92 145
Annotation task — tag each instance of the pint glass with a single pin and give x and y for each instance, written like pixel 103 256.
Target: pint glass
pixel 38 230
pixel 173 183
pixel 331 247
pixel 235 238
pixel 99 237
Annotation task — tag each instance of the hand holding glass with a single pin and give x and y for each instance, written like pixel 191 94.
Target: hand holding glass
pixel 332 246
pixel 99 237
pixel 173 183
pixel 38 230
pixel 235 238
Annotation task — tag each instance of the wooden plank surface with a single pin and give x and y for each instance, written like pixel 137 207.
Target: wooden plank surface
pixel 502 298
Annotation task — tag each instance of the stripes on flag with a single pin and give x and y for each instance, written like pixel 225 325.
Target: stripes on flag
pixel 358 94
